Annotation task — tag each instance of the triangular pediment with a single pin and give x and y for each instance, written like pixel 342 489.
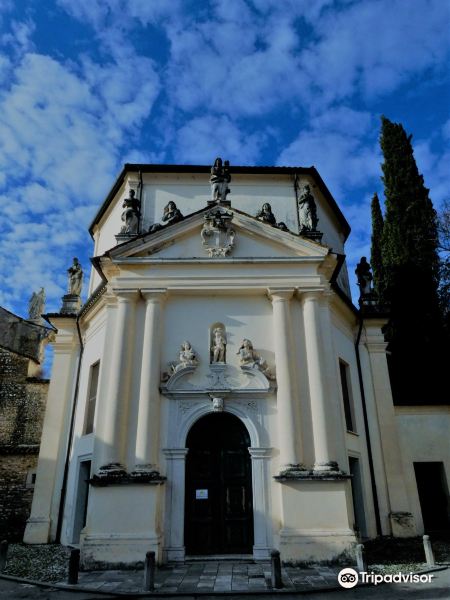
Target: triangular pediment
pixel 248 238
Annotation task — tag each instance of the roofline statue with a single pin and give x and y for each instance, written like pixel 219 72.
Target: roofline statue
pixel 219 180
pixel 36 305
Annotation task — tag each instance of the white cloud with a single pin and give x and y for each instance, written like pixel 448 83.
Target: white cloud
pixel 373 47
pixel 63 128
pixel 435 168
pixel 205 137
pixel 340 144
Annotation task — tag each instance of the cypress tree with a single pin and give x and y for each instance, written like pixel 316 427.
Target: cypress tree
pixel 410 227
pixel 410 267
pixel 376 255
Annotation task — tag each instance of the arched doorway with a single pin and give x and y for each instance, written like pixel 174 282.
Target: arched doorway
pixel 218 500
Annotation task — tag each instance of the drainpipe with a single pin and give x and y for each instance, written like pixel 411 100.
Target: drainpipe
pixel 366 428
pixel 70 442
pixel 296 199
pixel 140 198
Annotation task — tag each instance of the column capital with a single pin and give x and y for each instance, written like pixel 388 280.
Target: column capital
pixel 259 453
pixel 311 295
pixel 152 295
pixel 280 294
pixel 175 453
pixel 374 341
pixel 126 295
pixel 375 346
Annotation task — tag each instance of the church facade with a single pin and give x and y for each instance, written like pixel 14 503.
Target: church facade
pixel 218 393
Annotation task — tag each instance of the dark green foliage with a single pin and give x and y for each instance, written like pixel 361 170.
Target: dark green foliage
pixel 410 274
pixel 376 255
pixel 410 227
pixel 444 247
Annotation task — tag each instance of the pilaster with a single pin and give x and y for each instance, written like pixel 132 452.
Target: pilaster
pixel 111 447
pixel 41 526
pixel 261 508
pixel 174 549
pixel 401 519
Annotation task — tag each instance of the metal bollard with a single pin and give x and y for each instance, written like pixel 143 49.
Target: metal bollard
pixel 275 567
pixel 3 554
pixel 361 560
pixel 149 572
pixel 429 556
pixel 74 566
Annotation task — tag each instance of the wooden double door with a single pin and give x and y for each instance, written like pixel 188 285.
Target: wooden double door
pixel 219 504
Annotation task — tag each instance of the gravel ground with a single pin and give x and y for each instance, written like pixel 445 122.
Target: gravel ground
pixel 405 553
pixel 46 562
pixel 49 562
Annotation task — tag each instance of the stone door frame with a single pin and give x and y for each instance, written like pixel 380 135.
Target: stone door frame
pixel 184 413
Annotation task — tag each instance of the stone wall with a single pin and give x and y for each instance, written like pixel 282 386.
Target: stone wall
pixel 22 407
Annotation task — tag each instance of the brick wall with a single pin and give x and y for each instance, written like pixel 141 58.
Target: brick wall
pixel 22 407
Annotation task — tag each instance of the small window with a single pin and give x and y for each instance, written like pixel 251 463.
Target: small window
pixel 346 396
pixel 92 398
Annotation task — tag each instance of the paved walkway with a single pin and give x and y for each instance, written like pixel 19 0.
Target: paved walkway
pixel 211 576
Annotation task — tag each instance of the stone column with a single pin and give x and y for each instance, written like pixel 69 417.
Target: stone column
pixel 112 442
pixel 335 422
pixel 149 401
pixel 316 349
pixel 287 395
pixel 261 510
pixel 175 489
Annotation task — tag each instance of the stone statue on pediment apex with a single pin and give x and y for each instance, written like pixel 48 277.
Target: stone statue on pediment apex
pixel 219 180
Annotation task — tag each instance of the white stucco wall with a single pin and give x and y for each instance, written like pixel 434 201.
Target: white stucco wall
pixel 425 437
pixel 82 447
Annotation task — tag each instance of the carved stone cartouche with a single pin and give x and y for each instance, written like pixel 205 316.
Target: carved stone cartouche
pixel 217 234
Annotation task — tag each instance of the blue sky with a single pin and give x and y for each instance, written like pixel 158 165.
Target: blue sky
pixel 87 85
